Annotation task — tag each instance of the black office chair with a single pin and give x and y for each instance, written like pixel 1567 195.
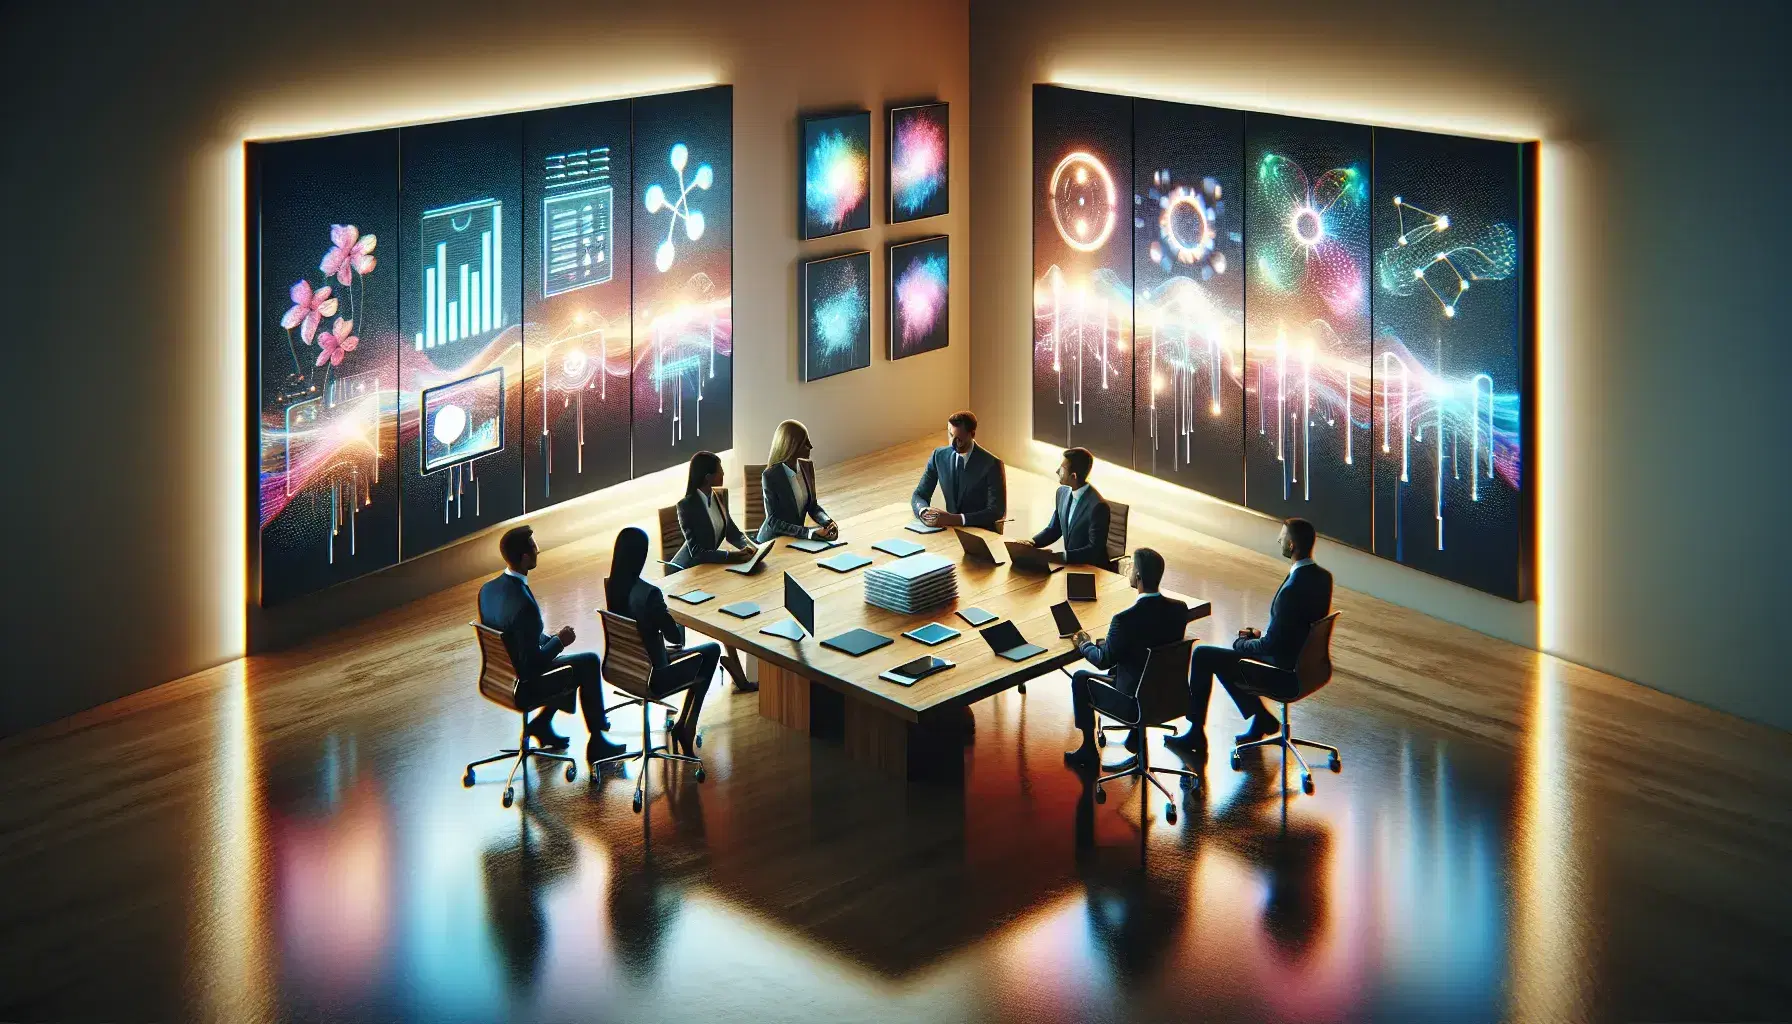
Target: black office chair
pixel 1312 670
pixel 1162 697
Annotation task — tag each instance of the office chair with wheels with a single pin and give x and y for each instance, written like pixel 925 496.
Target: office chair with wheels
pixel 1162 697
pixel 628 668
pixel 1312 670
pixel 499 683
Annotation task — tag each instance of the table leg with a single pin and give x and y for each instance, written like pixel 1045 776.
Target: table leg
pixel 898 747
pixel 784 696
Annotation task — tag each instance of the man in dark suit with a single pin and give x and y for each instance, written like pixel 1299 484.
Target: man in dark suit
pixel 508 605
pixel 1304 598
pixel 1152 621
pixel 973 482
pixel 1079 515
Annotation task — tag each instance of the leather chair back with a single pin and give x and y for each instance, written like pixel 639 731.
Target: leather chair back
pixel 498 678
pixel 755 509
pixel 1163 688
pixel 1117 516
pixel 671 534
pixel 1313 669
pixel 626 665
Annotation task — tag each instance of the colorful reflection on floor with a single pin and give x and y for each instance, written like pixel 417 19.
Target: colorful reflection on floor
pixel 792 885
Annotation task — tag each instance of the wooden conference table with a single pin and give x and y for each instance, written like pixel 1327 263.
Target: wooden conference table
pixel 908 731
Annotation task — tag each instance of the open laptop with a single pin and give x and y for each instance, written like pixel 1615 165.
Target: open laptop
pixel 1028 558
pixel 801 606
pixel 976 548
pixel 751 565
pixel 1065 618
pixel 1004 638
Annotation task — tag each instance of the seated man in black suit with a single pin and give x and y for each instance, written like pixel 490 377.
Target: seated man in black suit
pixel 1079 515
pixel 1304 598
pixel 973 482
pixel 1152 621
pixel 508 605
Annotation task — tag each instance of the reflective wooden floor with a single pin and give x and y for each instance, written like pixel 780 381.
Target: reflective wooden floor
pixel 286 837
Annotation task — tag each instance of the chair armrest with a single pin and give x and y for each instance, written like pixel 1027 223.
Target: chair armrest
pixel 1106 683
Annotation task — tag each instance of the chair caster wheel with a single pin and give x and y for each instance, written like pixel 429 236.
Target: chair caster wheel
pixel 1306 783
pixel 1237 763
pixel 1170 813
pixel 637 803
pixel 1101 739
pixel 700 742
pixel 1022 688
pixel 1101 795
pixel 572 772
pixel 467 779
pixel 700 776
pixel 509 795
pixel 1337 763
pixel 668 719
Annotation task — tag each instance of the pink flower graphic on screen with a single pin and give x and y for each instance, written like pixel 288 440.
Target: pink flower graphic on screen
pixel 308 309
pixel 337 342
pixel 349 254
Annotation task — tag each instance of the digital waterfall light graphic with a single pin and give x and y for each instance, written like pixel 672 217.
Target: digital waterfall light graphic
pixel 1186 335
pixel 1082 326
pixel 917 162
pixel 1318 222
pixel 1316 383
pixel 680 209
pixel 836 178
pixel 684 338
pixel 921 298
pixel 1430 248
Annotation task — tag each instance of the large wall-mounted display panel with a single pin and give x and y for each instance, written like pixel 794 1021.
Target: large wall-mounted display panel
pixel 1306 199
pixel 1330 320
pixel 1082 260
pixel 460 296
pixel 454 323
pixel 577 279
pixel 1449 242
pixel 684 276
pixel 325 302
pixel 1188 299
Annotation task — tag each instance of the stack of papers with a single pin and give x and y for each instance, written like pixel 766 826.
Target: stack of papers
pixel 912 585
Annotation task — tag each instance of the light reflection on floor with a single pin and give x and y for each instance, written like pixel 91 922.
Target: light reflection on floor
pixel 395 892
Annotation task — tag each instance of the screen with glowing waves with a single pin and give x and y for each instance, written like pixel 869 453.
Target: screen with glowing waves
pixel 1316 319
pixel 457 322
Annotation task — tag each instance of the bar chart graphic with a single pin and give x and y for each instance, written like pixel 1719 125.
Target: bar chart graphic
pixel 577 246
pixel 463 277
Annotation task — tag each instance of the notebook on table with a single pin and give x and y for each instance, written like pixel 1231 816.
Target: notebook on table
pixel 898 547
pixel 815 545
pixel 694 596
pixel 846 561
pixel 931 634
pixel 920 527
pixel 752 565
pixel 741 609
pixel 976 616
pixel 857 642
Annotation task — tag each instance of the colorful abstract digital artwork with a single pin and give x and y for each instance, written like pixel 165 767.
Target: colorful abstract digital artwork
pixel 919 162
pixel 1447 291
pixel 836 335
pixel 1307 381
pixel 836 163
pixel 461 321
pixel 920 296
pixel 1320 319
pixel 327 309
pixel 1188 276
pixel 577 279
pixel 1082 258
pixel 684 276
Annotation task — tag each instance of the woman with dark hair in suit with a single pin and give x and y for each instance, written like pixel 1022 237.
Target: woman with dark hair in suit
pixel 704 518
pixel 626 593
pixel 789 487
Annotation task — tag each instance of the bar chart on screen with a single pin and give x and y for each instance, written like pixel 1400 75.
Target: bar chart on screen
pixel 469 238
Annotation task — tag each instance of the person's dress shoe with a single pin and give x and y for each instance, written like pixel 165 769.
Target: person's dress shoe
pixel 542 729
pixel 1084 759
pixel 599 749
pixel 1192 742
pixel 1261 726
pixel 745 686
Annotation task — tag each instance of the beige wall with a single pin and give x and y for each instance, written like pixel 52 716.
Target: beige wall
pixel 1663 349
pixel 123 168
